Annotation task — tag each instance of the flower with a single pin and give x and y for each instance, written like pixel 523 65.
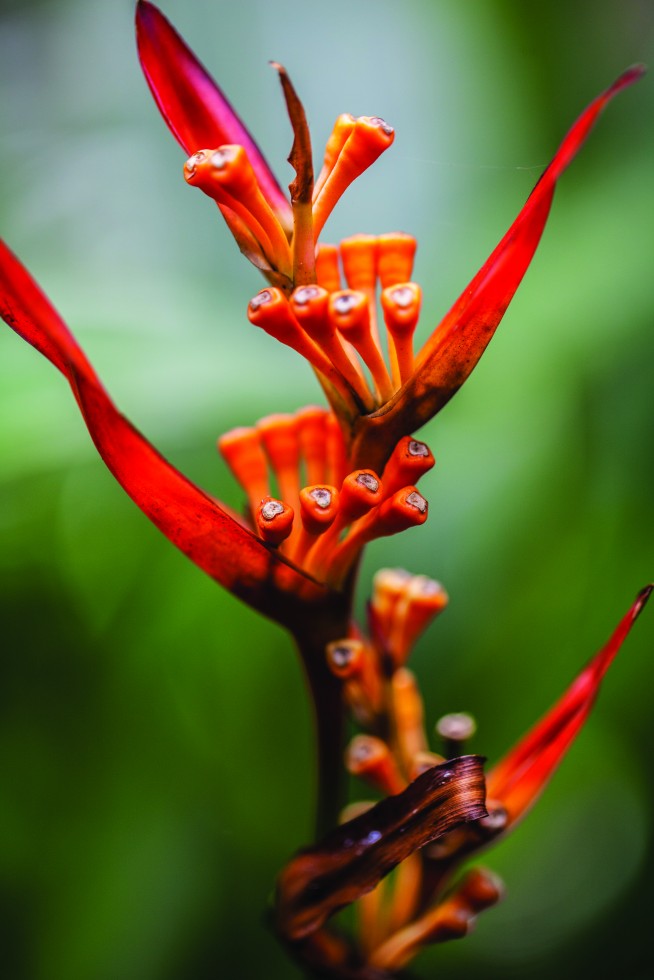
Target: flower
pixel 318 321
pixel 416 387
pixel 344 476
pixel 426 903
pixel 325 323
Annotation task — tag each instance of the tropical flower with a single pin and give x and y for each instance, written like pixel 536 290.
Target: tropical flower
pixel 426 903
pixel 335 329
pixel 280 237
pixel 344 476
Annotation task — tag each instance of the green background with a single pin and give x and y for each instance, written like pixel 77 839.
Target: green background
pixel 155 738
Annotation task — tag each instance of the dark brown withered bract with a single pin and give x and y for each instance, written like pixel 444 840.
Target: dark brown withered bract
pixel 352 859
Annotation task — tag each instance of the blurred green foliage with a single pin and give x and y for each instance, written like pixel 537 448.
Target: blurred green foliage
pixel 155 737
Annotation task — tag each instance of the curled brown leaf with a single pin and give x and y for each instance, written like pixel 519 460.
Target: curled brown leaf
pixel 352 859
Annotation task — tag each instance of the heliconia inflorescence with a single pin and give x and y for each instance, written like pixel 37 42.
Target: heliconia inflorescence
pixel 319 485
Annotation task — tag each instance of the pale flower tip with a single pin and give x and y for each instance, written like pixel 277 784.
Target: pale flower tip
pixel 319 506
pixel 496 820
pixel 274 520
pixel 344 657
pixel 456 727
pixel 192 164
pixel 376 122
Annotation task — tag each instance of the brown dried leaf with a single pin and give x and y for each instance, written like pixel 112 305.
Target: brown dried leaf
pixel 352 859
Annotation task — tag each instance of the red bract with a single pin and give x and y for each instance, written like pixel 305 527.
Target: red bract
pixel 201 527
pixel 416 388
pixel 195 109
pixel 458 342
pixel 517 780
pixel 456 345
pixel 425 906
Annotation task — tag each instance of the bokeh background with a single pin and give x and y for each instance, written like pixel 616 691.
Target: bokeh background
pixel 155 737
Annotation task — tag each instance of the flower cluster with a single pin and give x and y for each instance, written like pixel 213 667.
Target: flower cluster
pixel 322 483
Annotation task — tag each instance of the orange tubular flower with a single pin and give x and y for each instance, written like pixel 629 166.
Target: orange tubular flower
pixel 322 483
pixel 414 386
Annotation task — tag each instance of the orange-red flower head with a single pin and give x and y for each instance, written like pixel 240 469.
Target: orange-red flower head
pixel 377 402
pixel 322 483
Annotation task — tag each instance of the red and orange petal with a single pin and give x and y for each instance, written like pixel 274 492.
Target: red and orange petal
pixel 201 527
pixel 191 103
pixel 517 780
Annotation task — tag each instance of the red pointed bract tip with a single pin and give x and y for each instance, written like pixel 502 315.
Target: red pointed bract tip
pixel 191 103
pixel 582 127
pixel 451 353
pixel 516 781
